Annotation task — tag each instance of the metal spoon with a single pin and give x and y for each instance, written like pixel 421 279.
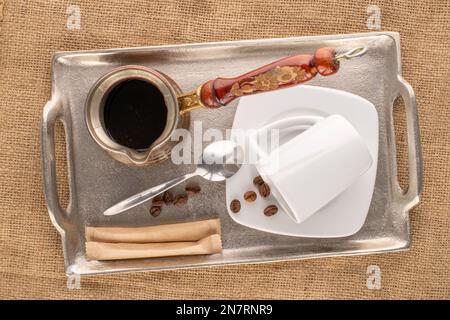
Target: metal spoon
pixel 220 160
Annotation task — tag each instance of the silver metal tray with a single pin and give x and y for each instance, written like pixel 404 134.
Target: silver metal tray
pixel 96 181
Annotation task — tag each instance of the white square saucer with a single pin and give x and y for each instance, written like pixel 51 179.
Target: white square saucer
pixel 346 213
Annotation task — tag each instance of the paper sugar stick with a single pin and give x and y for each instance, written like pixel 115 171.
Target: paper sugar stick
pixel 118 251
pixel 188 231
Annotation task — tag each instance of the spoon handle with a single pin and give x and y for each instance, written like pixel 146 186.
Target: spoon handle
pixel 146 195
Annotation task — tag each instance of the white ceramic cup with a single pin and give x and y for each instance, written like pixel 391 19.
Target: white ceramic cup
pixel 315 166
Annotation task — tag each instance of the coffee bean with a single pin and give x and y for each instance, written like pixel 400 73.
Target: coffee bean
pixel 155 211
pixel 235 206
pixel 192 189
pixel 270 210
pixel 158 200
pixel 250 196
pixel 257 181
pixel 264 190
pixel 168 197
pixel 180 200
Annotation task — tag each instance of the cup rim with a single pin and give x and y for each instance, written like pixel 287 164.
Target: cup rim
pixel 278 195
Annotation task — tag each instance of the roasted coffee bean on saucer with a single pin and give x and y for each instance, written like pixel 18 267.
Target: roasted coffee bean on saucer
pixel 257 181
pixel 235 206
pixel 271 210
pixel 264 190
pixel 250 196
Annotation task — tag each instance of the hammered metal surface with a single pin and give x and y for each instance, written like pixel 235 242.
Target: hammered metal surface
pixel 97 181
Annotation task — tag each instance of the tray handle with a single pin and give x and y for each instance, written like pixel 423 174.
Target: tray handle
pixel 411 197
pixel 53 111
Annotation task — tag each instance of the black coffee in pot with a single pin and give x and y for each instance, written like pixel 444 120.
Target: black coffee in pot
pixel 135 114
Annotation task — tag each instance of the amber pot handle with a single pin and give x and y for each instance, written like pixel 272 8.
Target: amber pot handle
pixel 282 73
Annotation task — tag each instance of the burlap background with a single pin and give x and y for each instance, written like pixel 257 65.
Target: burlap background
pixel 31 264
